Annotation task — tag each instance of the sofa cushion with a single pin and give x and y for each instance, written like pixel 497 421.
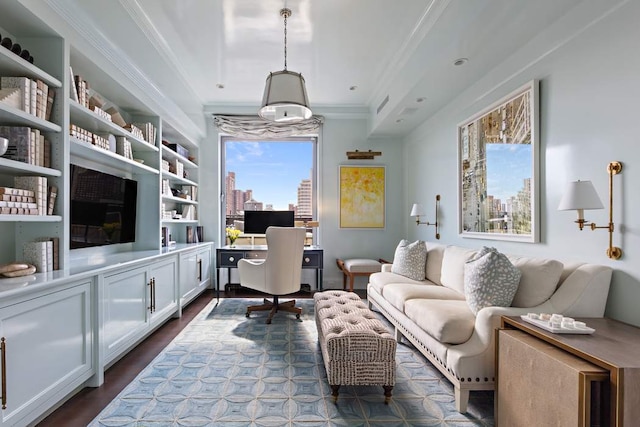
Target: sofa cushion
pixel 448 321
pixel 379 280
pixel 490 280
pixel 435 252
pixel 453 262
pixel 538 282
pixel 398 293
pixel 409 259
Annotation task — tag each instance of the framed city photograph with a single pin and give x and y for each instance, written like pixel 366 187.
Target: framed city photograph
pixel 498 169
pixel 362 196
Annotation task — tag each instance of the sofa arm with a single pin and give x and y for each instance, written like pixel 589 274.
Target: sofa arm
pixel 488 318
pixel 386 268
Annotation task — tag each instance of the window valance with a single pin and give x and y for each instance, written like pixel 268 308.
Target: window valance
pixel 255 127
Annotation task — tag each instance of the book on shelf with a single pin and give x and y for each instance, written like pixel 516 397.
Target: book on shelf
pixel 11 97
pixel 51 96
pixel 51 200
pixel 191 236
pixel 34 97
pixel 165 237
pixel 200 233
pixel 39 254
pixel 37 184
pixel 22 83
pixel 73 89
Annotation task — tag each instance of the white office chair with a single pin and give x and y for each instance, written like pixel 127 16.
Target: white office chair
pixel 279 273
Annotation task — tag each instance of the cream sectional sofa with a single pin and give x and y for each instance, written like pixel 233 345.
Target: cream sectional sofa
pixel 434 316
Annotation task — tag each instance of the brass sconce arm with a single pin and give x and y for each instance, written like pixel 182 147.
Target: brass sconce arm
pixel 417 211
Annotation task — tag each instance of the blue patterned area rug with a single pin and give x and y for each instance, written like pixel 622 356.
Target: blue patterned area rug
pixel 228 370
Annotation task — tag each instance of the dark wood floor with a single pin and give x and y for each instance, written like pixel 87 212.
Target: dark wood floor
pixel 84 406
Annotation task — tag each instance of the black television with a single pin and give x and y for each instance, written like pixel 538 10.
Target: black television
pixel 103 208
pixel 256 222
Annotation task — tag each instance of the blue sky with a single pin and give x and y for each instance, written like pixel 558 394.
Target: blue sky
pixel 272 170
pixel 507 166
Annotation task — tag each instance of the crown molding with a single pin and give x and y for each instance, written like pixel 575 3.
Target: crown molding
pixel 140 84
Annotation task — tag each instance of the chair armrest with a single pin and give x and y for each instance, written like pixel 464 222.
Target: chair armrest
pixel 386 268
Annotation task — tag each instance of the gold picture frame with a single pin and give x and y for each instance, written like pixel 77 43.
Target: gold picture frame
pixel 362 196
pixel 498 169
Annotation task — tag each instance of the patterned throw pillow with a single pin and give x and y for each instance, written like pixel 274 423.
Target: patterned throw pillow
pixel 490 280
pixel 410 259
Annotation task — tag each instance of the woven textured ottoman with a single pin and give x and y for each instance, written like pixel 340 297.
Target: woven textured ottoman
pixel 357 267
pixel 357 348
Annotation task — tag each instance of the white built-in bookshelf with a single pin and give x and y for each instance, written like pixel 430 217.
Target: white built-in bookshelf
pixel 56 62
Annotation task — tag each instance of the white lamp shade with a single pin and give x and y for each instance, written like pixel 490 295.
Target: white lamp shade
pixel 580 195
pixel 285 98
pixel 417 210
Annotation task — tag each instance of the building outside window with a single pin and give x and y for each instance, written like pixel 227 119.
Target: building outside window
pixel 269 175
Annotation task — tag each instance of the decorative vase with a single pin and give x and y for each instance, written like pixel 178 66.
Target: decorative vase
pixel 232 242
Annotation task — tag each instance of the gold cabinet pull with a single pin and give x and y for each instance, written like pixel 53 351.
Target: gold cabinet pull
pixel 3 368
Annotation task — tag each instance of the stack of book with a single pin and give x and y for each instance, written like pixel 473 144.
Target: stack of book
pixel 81 90
pixel 44 197
pixel 123 147
pixel 35 97
pixel 27 145
pixel 135 131
pixel 149 132
pixel 88 137
pixel 17 201
pixel 43 254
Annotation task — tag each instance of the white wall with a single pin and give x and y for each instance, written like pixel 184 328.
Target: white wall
pixel 589 67
pixel 338 136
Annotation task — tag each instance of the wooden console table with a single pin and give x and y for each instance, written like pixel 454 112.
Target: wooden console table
pixel 614 347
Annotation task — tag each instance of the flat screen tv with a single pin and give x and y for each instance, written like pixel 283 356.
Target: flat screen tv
pixel 103 208
pixel 256 222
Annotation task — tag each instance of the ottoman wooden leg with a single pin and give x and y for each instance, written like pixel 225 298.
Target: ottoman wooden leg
pixel 334 392
pixel 387 393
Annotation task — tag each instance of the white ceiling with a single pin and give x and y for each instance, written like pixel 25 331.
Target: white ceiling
pixel 404 49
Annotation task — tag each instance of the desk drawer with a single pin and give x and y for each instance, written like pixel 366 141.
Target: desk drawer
pixel 229 259
pixel 255 254
pixel 312 260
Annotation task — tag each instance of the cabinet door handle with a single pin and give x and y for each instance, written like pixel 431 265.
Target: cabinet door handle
pixel 153 295
pixel 150 285
pixel 3 361
pixel 199 270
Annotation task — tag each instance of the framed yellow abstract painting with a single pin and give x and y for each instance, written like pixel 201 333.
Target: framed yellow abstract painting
pixel 362 196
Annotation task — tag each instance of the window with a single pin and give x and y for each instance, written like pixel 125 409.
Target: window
pixel 268 175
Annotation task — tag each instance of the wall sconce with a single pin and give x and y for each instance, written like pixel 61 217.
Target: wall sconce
pixel 418 210
pixel 581 195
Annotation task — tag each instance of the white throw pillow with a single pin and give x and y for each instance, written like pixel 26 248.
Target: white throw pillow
pixel 490 280
pixel 539 280
pixel 409 259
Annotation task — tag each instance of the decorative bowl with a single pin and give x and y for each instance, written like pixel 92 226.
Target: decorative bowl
pixel 4 144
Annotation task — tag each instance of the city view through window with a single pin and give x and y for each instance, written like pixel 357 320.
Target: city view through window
pixel 268 175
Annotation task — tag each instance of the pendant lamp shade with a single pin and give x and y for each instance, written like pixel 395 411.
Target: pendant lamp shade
pixel 285 95
pixel 285 98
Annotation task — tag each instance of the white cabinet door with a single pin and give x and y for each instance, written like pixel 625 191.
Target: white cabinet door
pixel 125 310
pixel 204 267
pixel 163 276
pixel 48 351
pixel 188 274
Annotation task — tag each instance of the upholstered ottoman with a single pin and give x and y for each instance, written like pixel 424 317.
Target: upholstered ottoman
pixel 357 267
pixel 357 348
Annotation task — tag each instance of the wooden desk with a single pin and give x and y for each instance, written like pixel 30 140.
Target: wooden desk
pixel 614 346
pixel 227 257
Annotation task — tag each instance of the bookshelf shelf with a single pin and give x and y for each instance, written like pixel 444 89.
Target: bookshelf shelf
pixel 169 154
pixel 179 221
pixel 12 167
pixel 30 218
pixel 87 119
pixel 10 116
pixel 86 151
pixel 14 65
pixel 178 200
pixel 172 177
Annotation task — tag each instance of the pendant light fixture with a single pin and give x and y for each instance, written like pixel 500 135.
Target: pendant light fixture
pixel 285 96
